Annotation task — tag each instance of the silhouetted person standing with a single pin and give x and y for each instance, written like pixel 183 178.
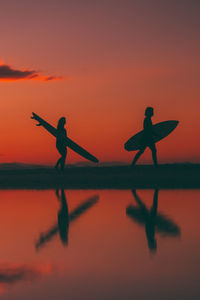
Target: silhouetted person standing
pixel 62 149
pixel 148 137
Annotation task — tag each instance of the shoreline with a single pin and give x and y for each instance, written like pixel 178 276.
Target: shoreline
pixel 174 176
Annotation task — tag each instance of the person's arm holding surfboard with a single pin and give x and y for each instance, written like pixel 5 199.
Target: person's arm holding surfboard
pixel 149 131
pixel 61 135
pixel 147 126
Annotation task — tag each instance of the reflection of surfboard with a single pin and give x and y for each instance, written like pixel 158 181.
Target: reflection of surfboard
pixel 67 141
pixel 161 130
pixel 162 223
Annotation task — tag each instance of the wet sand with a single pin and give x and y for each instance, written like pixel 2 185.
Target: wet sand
pixel 112 177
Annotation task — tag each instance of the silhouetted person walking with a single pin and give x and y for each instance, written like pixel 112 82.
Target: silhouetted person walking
pixel 62 149
pixel 148 137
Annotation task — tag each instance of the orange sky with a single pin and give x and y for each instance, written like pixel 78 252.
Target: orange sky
pixel 118 57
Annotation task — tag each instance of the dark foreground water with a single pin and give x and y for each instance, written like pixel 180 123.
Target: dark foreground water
pixel 108 244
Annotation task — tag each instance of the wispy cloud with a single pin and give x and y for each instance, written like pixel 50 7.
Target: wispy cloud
pixel 8 73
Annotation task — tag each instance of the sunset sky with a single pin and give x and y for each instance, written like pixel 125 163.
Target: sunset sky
pixel 99 63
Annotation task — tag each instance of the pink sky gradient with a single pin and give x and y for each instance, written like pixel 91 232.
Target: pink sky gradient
pixel 120 56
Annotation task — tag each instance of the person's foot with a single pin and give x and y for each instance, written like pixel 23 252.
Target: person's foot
pixel 57 169
pixel 57 193
pixel 134 191
pixel 62 170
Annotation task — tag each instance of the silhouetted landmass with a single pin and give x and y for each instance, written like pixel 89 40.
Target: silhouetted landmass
pixel 19 166
pixel 116 177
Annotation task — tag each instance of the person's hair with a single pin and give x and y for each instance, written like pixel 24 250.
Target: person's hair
pixel 149 111
pixel 61 123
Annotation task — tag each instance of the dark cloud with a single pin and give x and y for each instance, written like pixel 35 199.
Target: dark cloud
pixel 12 275
pixel 48 78
pixel 6 72
pixel 9 73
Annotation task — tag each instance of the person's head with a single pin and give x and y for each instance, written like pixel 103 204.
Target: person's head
pixel 149 111
pixel 61 123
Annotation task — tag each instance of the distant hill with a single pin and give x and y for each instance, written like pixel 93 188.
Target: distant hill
pixel 21 166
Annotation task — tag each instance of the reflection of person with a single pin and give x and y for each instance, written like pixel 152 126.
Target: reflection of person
pixel 149 219
pixel 63 217
pixel 153 221
pixel 62 149
pixel 148 137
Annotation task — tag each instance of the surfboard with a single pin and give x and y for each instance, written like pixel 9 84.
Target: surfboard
pixel 161 130
pixel 67 141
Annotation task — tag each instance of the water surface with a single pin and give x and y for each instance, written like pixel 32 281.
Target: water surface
pixel 106 244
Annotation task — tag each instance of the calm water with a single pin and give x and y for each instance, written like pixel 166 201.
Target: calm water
pixel 112 244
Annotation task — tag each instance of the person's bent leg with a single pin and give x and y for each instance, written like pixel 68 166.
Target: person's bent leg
pixel 138 154
pixel 63 158
pixel 62 163
pixel 154 154
pixel 58 163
